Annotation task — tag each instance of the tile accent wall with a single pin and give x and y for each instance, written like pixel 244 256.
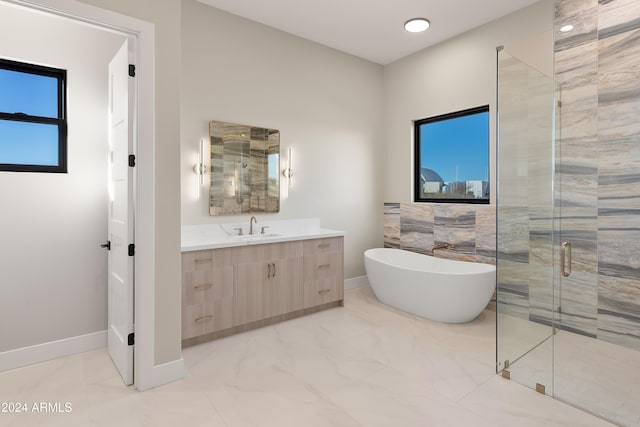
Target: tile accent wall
pixel 417 227
pixel 598 165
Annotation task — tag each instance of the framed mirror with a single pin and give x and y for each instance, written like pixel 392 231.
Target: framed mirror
pixel 245 169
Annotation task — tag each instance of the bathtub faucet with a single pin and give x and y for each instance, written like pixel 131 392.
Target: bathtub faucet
pixel 441 246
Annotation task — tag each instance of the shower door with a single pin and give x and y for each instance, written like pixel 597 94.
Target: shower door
pixel 525 297
pixel 596 353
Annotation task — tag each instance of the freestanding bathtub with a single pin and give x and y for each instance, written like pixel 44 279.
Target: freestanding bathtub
pixel 435 288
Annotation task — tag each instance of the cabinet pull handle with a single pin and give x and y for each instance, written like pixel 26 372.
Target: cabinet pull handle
pixel 274 270
pixel 324 291
pixel 202 261
pixel 323 266
pixel 324 245
pixel 269 270
pixel 203 286
pixel 203 319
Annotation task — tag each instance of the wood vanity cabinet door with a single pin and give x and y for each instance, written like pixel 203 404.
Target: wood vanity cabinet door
pixel 207 292
pixel 323 271
pixel 249 281
pixel 285 290
pixel 267 281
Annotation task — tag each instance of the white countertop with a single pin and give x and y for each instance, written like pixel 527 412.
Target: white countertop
pixel 213 236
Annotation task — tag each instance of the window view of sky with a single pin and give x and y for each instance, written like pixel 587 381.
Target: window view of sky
pixel 28 93
pixel 23 143
pixel 457 149
pixel 28 143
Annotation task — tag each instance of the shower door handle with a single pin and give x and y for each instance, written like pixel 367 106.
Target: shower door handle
pixel 565 258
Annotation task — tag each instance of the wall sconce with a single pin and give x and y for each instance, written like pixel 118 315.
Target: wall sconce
pixel 200 168
pixel 288 172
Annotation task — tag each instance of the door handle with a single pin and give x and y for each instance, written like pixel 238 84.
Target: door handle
pixel 565 257
pixel 106 245
pixel 274 269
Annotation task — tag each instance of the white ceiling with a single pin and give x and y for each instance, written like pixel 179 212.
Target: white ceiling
pixel 371 29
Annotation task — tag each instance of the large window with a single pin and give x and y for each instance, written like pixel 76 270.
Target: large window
pixel 452 157
pixel 33 127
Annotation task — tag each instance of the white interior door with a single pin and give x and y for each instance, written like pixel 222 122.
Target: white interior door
pixel 121 204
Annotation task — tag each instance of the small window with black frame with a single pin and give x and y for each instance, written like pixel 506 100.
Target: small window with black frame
pixel 33 118
pixel 452 157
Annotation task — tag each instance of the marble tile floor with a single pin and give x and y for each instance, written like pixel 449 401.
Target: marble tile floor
pixel 361 365
pixel 517 337
pixel 593 374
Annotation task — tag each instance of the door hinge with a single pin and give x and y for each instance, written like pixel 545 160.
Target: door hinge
pixel 130 339
pixel 132 249
pixel 132 70
pixel 132 160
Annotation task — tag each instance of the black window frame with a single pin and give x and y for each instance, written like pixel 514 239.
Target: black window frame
pixel 417 156
pixel 60 121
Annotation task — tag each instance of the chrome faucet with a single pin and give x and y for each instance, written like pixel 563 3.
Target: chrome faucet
pixel 252 221
pixel 441 246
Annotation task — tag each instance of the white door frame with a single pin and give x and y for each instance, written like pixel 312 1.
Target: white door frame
pixel 146 376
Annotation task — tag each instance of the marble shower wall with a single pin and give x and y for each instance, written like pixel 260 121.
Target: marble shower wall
pixel 598 165
pixel 417 227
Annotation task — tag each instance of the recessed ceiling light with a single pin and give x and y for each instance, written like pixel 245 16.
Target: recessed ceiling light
pixel 417 25
pixel 566 28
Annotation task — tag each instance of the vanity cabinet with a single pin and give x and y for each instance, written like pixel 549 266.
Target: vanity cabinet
pixel 229 290
pixel 267 281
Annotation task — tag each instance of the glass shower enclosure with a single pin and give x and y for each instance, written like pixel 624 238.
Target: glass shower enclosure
pixel 563 328
pixel 525 225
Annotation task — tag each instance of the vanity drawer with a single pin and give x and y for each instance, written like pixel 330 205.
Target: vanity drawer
pixel 321 266
pixel 315 246
pixel 321 291
pixel 323 278
pixel 207 285
pixel 206 260
pixel 206 317
pixel 196 320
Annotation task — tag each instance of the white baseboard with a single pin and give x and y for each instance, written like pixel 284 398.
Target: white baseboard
pixel 164 374
pixel 51 350
pixel 356 282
